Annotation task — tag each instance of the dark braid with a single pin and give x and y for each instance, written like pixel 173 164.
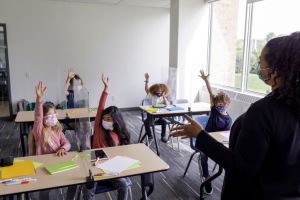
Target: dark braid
pixel 283 56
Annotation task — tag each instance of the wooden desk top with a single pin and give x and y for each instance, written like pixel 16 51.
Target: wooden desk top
pixel 73 113
pixel 150 162
pixel 221 136
pixel 200 107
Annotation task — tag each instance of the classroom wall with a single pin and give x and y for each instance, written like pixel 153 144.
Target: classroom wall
pixel 189 40
pixel 47 37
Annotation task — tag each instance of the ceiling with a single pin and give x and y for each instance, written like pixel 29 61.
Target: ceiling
pixel 144 3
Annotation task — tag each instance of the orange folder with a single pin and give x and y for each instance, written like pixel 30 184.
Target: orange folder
pixel 23 168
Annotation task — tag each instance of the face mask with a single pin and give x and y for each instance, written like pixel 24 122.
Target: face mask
pixel 108 125
pixel 159 94
pixel 258 72
pixel 221 109
pixel 51 120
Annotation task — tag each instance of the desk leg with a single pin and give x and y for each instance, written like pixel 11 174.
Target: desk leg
pixel 210 179
pixel 154 135
pixel 147 180
pixel 22 127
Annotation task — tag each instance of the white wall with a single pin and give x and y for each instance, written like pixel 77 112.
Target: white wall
pixel 191 44
pixel 44 37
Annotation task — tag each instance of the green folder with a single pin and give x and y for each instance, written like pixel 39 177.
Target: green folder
pixel 61 167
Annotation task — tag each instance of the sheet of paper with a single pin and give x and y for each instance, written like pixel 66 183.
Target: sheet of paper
pixel 225 134
pixel 117 164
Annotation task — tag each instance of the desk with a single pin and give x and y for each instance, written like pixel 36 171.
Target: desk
pixel 222 137
pixel 190 109
pixel 26 118
pixel 150 163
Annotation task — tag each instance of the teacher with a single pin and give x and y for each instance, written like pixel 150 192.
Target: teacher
pixel 263 158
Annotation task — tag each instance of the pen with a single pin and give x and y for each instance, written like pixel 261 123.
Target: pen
pixel 5 180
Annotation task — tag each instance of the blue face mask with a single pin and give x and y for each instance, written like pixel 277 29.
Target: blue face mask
pixel 258 72
pixel 159 94
pixel 221 109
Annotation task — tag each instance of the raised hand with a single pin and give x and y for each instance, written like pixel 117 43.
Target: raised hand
pixel 71 74
pixel 105 80
pixel 202 75
pixel 146 76
pixel 188 130
pixel 40 90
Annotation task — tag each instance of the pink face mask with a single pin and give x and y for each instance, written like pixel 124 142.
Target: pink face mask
pixel 51 120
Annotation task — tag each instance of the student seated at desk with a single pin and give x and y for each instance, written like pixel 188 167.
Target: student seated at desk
pixel 157 94
pixel 219 120
pixel 110 130
pixel 47 131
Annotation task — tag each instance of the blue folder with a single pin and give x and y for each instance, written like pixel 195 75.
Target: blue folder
pixel 173 108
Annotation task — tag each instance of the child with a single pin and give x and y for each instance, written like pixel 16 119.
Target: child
pixel 110 130
pixel 219 120
pixel 47 132
pixel 157 94
pixel 73 83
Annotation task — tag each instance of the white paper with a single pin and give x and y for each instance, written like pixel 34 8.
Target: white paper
pixel 225 134
pixel 117 164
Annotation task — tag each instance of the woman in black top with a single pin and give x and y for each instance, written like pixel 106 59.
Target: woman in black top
pixel 263 159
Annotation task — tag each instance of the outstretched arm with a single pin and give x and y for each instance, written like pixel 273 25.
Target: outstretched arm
pixel 207 83
pixel 146 83
pixel 70 76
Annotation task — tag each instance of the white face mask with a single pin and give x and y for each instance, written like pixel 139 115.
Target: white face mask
pixel 51 120
pixel 108 125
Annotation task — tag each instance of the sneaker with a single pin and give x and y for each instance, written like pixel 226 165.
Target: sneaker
pixel 208 189
pixel 164 139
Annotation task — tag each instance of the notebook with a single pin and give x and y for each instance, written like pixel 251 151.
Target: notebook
pixel 61 167
pixel 22 168
pixel 119 164
pixel 173 108
pixel 159 105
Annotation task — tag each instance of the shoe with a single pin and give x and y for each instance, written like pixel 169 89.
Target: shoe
pixel 208 189
pixel 150 137
pixel 164 139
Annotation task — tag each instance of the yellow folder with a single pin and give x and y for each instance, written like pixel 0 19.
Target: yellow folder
pixel 23 168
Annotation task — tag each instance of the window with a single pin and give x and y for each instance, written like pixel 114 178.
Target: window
pixel 269 19
pixel 239 29
pixel 227 42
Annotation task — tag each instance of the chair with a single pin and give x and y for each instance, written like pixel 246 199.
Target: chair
pixel 147 102
pixel 179 120
pixel 202 119
pixel 106 187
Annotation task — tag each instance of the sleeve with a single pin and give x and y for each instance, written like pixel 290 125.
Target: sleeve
pixel 38 120
pixel 64 142
pixel 251 147
pixel 98 118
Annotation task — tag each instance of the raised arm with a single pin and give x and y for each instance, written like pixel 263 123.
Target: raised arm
pixel 38 112
pixel 71 75
pixel 105 81
pixel 207 83
pixel 146 83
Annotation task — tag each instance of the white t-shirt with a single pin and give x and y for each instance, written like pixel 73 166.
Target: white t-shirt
pixel 155 99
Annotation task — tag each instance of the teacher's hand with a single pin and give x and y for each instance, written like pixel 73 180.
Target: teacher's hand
pixel 188 130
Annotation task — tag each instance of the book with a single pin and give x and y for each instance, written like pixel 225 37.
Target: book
pixel 173 108
pixel 159 105
pixel 61 167
pixel 22 168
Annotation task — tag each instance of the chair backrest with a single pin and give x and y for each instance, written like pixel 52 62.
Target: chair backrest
pixel 145 102
pixel 106 186
pixel 202 119
pixel 31 144
pixel 22 105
